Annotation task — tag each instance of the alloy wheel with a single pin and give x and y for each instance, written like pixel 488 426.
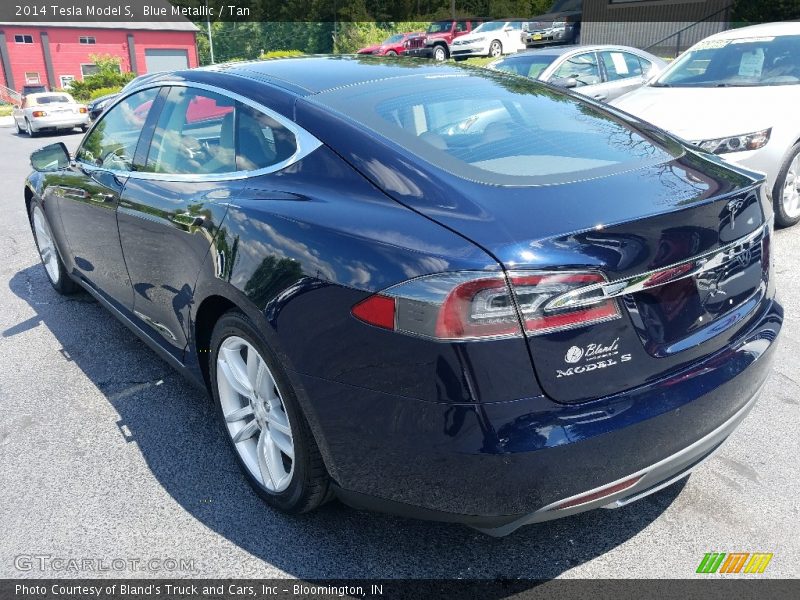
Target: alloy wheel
pixel 439 53
pixel 28 128
pixel 791 189
pixel 44 240
pixel 495 50
pixel 254 413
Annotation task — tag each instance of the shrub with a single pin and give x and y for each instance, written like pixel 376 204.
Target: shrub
pixel 108 75
pixel 104 91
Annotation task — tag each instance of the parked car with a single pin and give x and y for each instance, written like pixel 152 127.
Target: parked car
pixel 52 111
pixel 735 94
pixel 492 38
pixel 98 105
pixel 440 35
pixel 477 326
pixel 561 25
pixel 396 44
pixel 602 72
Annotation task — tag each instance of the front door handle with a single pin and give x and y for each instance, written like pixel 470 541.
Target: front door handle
pixel 188 220
pixel 74 193
pixel 600 97
pixel 103 198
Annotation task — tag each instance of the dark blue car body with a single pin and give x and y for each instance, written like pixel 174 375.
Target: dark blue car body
pixel 481 432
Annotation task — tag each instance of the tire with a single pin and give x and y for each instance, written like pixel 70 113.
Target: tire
pixel 51 261
pixel 84 128
pixel 391 53
pixel 266 418
pixel 786 193
pixel 29 130
pixel 439 53
pixel 495 49
pixel 20 130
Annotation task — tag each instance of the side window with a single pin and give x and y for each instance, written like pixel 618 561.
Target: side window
pixel 194 134
pixel 582 67
pixel 204 133
pixel 260 140
pixel 461 26
pixel 621 65
pixel 112 142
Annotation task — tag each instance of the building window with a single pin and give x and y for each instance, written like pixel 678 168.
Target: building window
pixel 23 39
pixel 91 68
pixel 66 80
pixel 31 77
pixel 87 39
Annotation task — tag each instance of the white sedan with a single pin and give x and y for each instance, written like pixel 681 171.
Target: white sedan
pixel 736 94
pixel 50 110
pixel 493 38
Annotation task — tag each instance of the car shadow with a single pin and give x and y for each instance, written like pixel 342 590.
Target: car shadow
pixel 333 542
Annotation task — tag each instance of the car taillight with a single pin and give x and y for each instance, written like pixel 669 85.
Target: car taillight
pixel 477 305
pixel 39 113
pixel 82 110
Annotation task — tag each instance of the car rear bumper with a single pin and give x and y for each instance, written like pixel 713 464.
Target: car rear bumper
pixel 498 466
pixel 59 122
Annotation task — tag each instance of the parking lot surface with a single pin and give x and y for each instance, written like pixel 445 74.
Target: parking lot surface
pixel 106 453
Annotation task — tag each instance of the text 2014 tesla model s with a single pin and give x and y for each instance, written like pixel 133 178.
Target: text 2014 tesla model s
pixel 448 293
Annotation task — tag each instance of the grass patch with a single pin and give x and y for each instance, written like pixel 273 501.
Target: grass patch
pixel 5 110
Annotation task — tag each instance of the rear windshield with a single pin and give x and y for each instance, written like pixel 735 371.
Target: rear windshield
pixel 498 129
pixel 54 99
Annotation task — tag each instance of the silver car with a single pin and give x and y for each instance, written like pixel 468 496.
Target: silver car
pixel 50 110
pixel 602 72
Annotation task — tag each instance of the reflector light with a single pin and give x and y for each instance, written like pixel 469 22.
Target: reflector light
pixel 608 491
pixel 376 310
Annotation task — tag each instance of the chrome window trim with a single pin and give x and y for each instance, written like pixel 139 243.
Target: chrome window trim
pixel 306 143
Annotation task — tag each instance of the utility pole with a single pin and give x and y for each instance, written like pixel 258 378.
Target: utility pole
pixel 453 9
pixel 208 28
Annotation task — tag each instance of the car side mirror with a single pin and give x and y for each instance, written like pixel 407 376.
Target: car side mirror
pixel 51 158
pixel 565 82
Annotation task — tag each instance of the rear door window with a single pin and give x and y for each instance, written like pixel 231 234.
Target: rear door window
pixel 620 65
pixel 583 68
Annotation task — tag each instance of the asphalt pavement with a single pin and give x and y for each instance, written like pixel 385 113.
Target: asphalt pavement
pixel 107 454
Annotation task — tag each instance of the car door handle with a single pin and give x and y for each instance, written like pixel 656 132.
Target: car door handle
pixel 600 97
pixel 103 198
pixel 70 192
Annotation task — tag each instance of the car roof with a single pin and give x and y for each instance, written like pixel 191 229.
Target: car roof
pixel 314 74
pixel 763 29
pixel 42 94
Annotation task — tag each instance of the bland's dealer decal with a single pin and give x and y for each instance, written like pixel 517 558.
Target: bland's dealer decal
pixel 594 357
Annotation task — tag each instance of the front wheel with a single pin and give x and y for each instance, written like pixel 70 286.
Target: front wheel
pixel 262 419
pixel 391 53
pixel 53 266
pixel 439 53
pixel 495 49
pixel 786 193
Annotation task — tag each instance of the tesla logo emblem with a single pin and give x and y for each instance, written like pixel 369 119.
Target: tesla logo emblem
pixel 733 206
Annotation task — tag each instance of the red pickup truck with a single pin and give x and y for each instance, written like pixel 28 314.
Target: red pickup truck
pixel 396 44
pixel 440 35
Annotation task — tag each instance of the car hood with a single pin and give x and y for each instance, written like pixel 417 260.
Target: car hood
pixel 706 113
pixel 368 49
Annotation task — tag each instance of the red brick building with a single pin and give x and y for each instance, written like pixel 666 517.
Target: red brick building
pixel 55 53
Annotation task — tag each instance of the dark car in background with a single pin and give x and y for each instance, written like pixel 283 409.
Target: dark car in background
pixel 561 25
pixel 98 105
pixel 442 292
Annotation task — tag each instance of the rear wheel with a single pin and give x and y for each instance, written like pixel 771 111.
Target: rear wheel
pixel 53 266
pixel 439 53
pixel 786 193
pixel 28 129
pixel 262 419
pixel 84 128
pixel 495 49
pixel 20 130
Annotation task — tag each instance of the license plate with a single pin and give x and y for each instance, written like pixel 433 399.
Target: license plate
pixel 537 36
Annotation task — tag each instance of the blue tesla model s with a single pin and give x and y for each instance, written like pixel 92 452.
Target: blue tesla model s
pixel 437 291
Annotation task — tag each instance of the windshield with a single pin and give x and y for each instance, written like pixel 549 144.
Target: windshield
pixel 394 39
pixel 492 26
pixel 528 66
pixel 55 99
pixel 750 61
pixel 440 27
pixel 492 128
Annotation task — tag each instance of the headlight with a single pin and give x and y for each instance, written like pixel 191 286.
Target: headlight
pixel 736 143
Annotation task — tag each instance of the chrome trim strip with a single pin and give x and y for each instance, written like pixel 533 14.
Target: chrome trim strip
pixel 657 277
pixel 306 143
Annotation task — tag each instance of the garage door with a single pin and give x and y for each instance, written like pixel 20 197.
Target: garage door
pixel 165 59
